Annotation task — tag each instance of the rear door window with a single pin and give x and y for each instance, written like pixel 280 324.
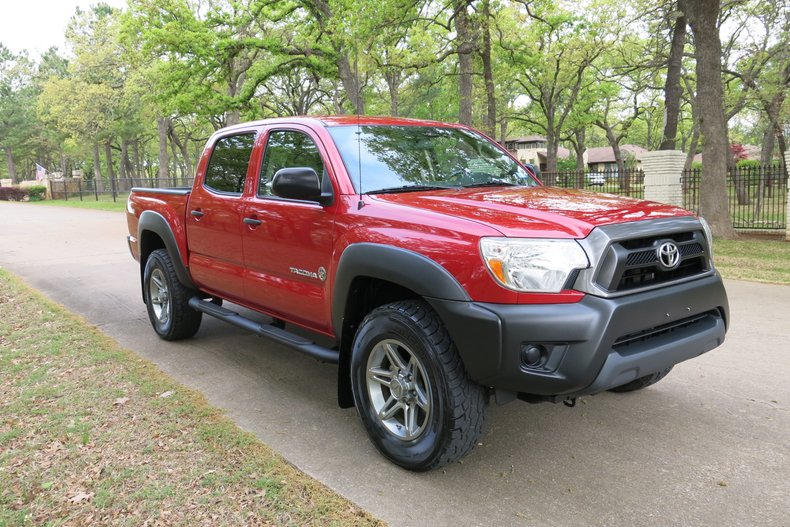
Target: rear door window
pixel 227 168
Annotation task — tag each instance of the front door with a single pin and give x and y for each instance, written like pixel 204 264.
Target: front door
pixel 288 243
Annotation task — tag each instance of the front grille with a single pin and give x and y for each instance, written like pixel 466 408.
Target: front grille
pixel 634 263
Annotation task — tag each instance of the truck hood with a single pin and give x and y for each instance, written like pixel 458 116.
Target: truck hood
pixel 538 212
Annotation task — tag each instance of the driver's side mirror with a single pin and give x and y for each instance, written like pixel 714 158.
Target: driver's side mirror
pixel 300 183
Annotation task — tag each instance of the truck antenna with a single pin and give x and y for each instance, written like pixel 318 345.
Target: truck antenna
pixel 361 203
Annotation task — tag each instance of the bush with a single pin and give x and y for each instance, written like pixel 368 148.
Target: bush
pixel 749 163
pixel 12 193
pixel 36 193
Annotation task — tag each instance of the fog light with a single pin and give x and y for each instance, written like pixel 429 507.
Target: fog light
pixel 532 355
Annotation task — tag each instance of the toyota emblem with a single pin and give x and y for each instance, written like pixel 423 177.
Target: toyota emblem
pixel 668 255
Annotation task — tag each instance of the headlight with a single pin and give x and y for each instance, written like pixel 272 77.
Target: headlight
pixel 709 235
pixel 531 264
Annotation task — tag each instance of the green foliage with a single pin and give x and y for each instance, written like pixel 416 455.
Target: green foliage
pixel 566 163
pixel 36 193
pixel 748 163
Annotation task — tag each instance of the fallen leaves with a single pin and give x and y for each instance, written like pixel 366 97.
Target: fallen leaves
pixel 81 496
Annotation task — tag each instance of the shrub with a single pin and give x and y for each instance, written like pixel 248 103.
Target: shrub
pixel 36 193
pixel 12 193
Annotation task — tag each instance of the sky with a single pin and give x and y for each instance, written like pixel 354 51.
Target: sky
pixel 35 25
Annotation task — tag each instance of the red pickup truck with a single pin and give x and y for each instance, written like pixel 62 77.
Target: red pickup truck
pixel 442 270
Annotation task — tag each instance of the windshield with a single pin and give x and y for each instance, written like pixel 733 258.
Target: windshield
pixel 403 158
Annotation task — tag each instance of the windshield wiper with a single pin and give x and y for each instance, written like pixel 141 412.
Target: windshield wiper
pixel 406 188
pixel 490 184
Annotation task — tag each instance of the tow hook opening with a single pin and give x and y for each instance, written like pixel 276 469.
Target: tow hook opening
pixel 570 403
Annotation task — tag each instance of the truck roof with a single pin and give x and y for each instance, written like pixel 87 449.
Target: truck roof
pixel 344 120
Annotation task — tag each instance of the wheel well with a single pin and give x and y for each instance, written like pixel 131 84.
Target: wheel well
pixel 149 242
pixel 364 295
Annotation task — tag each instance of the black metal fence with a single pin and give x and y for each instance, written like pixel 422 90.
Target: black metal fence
pixel 756 196
pixel 112 190
pixel 630 182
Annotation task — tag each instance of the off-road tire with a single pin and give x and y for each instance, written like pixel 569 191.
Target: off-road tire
pixel 456 405
pixel 641 382
pixel 168 309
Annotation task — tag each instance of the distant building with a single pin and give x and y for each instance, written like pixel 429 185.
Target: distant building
pixel 532 149
pixel 601 159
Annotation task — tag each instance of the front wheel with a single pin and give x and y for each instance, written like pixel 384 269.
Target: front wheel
pixel 167 299
pixel 411 390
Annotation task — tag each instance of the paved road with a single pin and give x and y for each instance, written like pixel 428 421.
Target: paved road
pixel 710 445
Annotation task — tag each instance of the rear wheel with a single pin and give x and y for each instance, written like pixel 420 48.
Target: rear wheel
pixel 167 299
pixel 641 382
pixel 411 390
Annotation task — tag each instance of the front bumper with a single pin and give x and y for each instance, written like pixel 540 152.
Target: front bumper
pixel 590 346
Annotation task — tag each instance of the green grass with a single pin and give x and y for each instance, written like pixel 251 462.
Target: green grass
pixel 86 437
pixel 754 260
pixel 88 202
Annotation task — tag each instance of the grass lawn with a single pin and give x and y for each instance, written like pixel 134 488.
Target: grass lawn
pixel 89 202
pixel 92 434
pixel 754 260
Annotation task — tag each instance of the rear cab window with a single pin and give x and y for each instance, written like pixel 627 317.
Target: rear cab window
pixel 229 162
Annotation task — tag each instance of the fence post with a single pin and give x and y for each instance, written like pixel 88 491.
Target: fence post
pixel 787 190
pixel 663 176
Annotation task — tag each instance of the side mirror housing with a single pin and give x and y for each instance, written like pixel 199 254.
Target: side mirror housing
pixel 300 183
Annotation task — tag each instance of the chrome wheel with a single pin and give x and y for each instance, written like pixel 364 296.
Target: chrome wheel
pixel 159 296
pixel 399 389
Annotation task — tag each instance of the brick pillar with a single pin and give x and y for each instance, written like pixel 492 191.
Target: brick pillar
pixel 663 172
pixel 787 212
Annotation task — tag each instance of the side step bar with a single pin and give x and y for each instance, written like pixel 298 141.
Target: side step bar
pixel 278 335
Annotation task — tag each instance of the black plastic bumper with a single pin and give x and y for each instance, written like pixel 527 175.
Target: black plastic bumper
pixel 558 351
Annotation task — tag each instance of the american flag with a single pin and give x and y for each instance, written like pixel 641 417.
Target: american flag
pixel 40 172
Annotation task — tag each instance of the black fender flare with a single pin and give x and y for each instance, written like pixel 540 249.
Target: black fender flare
pixel 405 268
pixel 157 224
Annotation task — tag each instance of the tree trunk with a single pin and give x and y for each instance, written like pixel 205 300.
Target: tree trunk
pixel 578 147
pixel 162 125
pixel 349 77
pixel 488 74
pixel 703 17
pixel 177 166
pixel 232 117
pixel 9 157
pixel 97 177
pixel 767 152
pixel 183 148
pixel 672 88
pixel 551 151
pixel 392 76
pixel 465 63
pixel 122 172
pixel 503 130
pixel 110 168
pixel 136 159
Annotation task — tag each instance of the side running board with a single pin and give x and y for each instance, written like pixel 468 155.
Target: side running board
pixel 278 335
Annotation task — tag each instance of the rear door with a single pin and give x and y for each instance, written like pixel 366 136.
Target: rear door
pixel 288 243
pixel 214 216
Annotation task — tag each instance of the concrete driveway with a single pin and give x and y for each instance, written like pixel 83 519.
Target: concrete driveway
pixel 709 445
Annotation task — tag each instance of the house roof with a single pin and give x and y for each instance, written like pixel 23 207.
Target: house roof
pixel 605 154
pixel 528 139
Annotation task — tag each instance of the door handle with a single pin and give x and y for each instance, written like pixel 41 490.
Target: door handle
pixel 197 213
pixel 252 221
